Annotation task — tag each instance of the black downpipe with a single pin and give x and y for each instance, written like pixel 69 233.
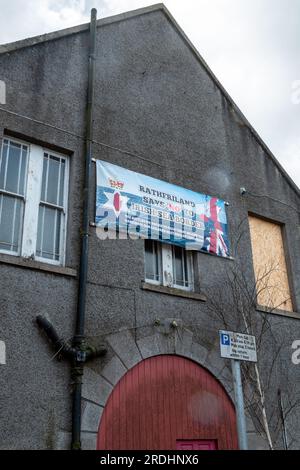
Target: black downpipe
pixel 61 346
pixel 78 341
pixel 88 165
pixel 79 352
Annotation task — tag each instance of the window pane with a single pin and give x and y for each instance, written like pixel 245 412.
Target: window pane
pixel 152 260
pixel 48 239
pixel 178 266
pixel 39 234
pixel 13 166
pixel 44 177
pixel 53 174
pixel 3 163
pixel 53 180
pixel 10 219
pixel 57 235
pixel 12 171
pixel 23 171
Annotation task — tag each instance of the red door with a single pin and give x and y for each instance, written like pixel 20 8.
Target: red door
pixel 165 400
pixel 196 445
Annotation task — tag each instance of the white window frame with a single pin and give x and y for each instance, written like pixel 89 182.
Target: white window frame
pixel 165 252
pixel 17 196
pixel 32 199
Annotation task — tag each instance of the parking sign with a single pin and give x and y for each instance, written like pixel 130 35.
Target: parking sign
pixel 238 346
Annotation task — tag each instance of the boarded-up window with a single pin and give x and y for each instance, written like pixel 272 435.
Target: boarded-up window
pixel 272 283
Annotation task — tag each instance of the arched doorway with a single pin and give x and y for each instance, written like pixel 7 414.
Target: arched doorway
pixel 168 402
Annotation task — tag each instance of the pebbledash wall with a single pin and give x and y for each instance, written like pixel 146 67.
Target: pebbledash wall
pixel 155 98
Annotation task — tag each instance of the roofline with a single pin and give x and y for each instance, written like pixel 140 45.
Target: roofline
pixel 10 47
pixel 13 46
pixel 233 104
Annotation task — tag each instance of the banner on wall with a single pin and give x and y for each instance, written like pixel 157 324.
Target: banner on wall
pixel 132 205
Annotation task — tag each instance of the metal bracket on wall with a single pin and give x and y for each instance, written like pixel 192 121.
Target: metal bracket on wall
pixel 168 325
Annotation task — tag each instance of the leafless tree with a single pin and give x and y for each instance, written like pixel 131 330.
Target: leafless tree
pixel 233 303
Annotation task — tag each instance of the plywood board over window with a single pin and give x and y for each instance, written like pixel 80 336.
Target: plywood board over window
pixel 272 284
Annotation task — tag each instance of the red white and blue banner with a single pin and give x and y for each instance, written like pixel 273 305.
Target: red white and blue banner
pixel 132 205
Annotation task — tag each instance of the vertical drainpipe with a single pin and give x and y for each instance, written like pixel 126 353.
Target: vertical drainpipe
pixel 78 340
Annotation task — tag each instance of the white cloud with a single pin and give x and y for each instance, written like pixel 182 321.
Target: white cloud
pixel 289 151
pixel 252 46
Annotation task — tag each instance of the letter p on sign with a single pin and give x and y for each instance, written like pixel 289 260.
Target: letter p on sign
pixel 225 339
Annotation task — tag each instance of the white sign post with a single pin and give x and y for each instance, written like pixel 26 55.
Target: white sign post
pixel 238 347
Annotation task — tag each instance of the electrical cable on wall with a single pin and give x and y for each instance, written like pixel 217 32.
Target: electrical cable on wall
pixel 244 191
pixel 78 136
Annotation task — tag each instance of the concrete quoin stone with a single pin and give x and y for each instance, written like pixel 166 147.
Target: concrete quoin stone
pixel 91 417
pixel 183 341
pixel 198 353
pixel 125 347
pixel 113 370
pixel 94 387
pixel 225 378
pixel 214 361
pixel 156 344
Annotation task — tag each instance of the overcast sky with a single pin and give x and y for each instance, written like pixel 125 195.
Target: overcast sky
pixel 253 47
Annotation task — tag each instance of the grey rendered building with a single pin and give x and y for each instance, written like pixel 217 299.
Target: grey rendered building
pixel 159 111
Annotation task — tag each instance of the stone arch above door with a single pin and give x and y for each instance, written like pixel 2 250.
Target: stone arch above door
pixel 127 353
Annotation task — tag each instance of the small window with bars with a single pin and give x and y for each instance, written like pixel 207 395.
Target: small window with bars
pixel 33 201
pixel 168 265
